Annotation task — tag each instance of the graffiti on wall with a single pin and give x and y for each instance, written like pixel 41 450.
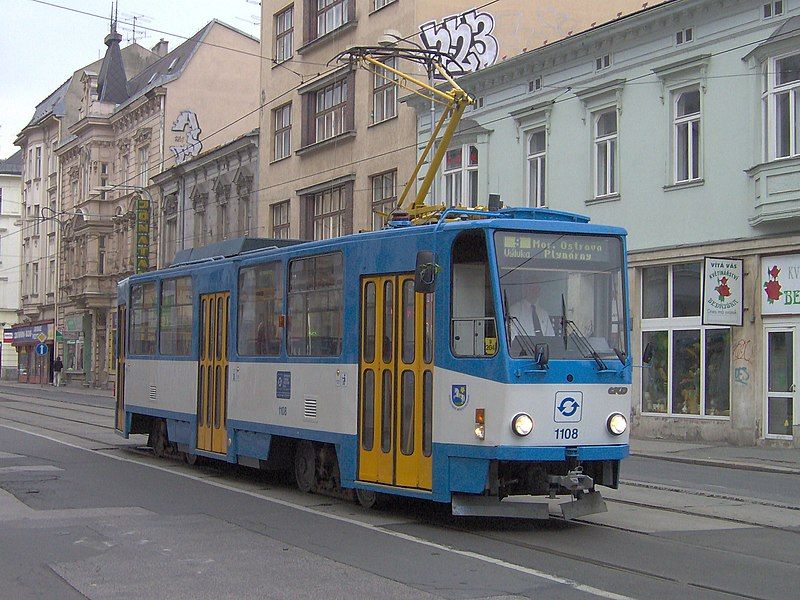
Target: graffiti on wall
pixel 467 38
pixel 742 353
pixel 187 137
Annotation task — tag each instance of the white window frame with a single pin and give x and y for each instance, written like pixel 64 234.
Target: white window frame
pixel 144 156
pixel 770 7
pixel 769 97
pixel 461 183
pixel 537 194
pixel 280 220
pixel 384 197
pixel 330 15
pixel 686 121
pixel 384 93
pixel 330 115
pixel 609 145
pixel 328 212
pixel 670 325
pixel 282 123
pixel 284 34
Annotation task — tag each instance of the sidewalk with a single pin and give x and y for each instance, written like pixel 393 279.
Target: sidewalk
pixel 78 389
pixel 773 460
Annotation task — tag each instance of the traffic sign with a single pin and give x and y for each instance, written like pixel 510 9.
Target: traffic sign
pixel 41 337
pixel 42 349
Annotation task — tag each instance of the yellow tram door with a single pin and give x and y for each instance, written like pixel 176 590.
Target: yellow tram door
pixel 395 385
pixel 119 420
pixel 212 373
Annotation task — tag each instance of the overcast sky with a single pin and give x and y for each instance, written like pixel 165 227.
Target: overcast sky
pixel 43 42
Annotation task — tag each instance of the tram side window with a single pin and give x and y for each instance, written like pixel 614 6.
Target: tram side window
pixel 473 325
pixel 175 334
pixel 315 306
pixel 144 318
pixel 260 308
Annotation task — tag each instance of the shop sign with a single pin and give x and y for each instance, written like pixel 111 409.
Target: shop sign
pixel 142 233
pixel 780 285
pixel 30 333
pixel 8 336
pixel 723 291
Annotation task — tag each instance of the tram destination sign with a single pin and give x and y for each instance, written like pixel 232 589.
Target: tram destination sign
pixel 557 251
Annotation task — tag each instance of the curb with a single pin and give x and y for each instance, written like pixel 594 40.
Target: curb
pixel 60 389
pixel 725 464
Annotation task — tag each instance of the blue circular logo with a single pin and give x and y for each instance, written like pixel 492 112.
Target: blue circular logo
pixel 568 406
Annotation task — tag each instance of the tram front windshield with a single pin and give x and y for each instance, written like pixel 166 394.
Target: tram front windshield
pixel 563 290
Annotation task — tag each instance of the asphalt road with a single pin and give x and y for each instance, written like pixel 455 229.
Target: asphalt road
pixel 770 487
pixel 93 520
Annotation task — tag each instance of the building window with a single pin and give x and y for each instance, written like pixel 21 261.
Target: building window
pixel 282 122
pixel 602 62
pixel 328 213
pixel 384 198
pixel 773 9
pixel 329 15
pixel 143 175
pixel 781 97
pixel 280 220
pixel 101 255
pixel 537 147
pixel 461 176
pixel 103 180
pixel 38 167
pixel 245 216
pixel 378 4
pixel 384 92
pixel 687 135
pixel 690 374
pixel 605 153
pixel 329 114
pixel 51 276
pixel 36 219
pixel 35 279
pixel 684 36
pixel 284 30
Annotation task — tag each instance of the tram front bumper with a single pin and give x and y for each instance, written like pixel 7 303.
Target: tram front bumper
pixel 469 505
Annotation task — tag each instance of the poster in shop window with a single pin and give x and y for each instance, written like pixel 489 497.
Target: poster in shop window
pixel 722 291
pixel 780 285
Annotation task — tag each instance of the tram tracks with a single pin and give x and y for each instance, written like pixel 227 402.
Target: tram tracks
pixel 52 415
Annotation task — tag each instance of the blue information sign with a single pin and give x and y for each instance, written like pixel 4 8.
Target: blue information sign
pixel 41 349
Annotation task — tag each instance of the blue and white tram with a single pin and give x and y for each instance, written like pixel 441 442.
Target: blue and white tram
pixel 396 361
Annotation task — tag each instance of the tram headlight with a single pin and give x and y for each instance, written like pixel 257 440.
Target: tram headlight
pixel 617 423
pixel 522 424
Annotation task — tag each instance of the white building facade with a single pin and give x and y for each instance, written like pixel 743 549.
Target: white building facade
pixel 10 200
pixel 681 124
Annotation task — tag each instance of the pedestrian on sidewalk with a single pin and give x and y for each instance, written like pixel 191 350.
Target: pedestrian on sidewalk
pixel 58 365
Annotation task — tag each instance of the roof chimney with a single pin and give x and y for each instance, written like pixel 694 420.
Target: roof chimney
pixel 161 47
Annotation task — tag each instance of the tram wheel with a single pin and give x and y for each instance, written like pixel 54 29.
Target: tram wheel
pixel 190 458
pixel 368 498
pixel 305 466
pixel 159 438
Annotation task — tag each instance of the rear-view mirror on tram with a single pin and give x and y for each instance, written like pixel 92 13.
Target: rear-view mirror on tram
pixel 425 272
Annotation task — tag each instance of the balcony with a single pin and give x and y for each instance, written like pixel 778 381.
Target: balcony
pixel 776 191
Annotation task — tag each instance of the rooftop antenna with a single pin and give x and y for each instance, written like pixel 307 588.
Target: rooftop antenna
pixel 132 26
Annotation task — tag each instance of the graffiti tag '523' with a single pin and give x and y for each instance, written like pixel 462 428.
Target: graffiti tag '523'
pixel 467 38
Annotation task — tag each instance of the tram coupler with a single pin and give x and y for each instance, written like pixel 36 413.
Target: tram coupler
pixel 585 500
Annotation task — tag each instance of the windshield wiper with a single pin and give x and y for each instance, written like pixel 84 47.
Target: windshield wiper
pixel 581 342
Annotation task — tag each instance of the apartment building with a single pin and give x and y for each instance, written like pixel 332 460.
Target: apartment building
pixel 10 200
pixel 336 143
pixel 676 123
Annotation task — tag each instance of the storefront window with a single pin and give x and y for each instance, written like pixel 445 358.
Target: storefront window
pixel 690 373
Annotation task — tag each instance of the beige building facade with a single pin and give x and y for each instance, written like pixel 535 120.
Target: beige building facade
pixel 129 129
pixel 337 146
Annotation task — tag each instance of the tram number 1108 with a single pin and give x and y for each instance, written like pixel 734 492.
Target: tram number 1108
pixel 567 434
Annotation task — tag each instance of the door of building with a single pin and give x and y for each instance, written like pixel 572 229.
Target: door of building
pixel 395 383
pixel 212 373
pixel 781 410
